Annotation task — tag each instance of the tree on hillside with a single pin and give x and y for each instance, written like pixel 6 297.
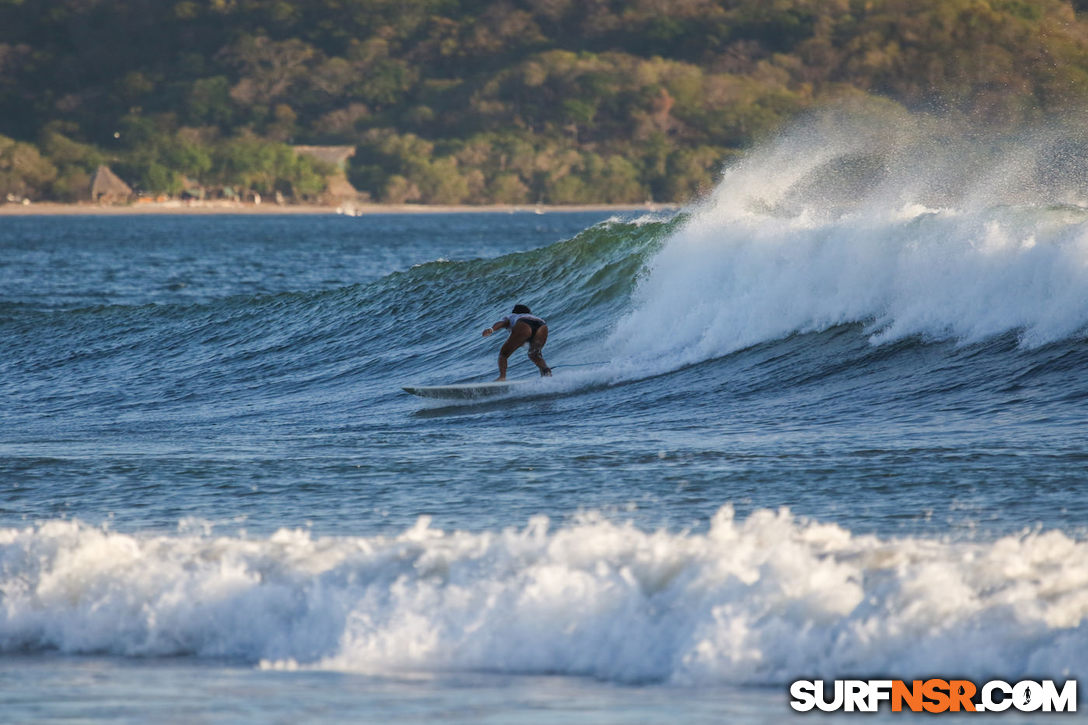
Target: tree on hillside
pixel 496 99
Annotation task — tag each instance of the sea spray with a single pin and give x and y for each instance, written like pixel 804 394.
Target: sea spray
pixel 759 600
pixel 904 228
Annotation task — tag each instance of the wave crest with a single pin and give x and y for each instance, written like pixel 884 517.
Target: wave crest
pixel 760 600
pixel 892 224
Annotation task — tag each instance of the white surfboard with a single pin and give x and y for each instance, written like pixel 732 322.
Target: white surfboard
pixel 466 391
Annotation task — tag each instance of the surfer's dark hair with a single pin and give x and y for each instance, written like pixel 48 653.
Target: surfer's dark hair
pixel 521 310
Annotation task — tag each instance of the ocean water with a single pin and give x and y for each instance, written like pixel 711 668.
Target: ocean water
pixel 828 421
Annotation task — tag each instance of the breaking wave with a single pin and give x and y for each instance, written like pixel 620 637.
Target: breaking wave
pixel 758 601
pixel 898 225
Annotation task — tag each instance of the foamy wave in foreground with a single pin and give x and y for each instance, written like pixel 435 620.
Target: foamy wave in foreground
pixel 762 600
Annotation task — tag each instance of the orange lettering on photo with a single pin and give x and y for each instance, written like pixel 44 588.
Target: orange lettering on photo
pixel 961 692
pixel 911 695
pixel 936 691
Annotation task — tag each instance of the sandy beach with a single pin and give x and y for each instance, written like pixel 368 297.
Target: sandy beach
pixel 348 209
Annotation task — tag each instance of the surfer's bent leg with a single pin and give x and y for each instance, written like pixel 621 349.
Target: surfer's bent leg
pixel 518 336
pixel 535 348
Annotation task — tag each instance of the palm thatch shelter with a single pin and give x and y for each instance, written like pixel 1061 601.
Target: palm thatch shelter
pixel 337 188
pixel 107 187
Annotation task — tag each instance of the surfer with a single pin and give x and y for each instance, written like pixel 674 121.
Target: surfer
pixel 524 328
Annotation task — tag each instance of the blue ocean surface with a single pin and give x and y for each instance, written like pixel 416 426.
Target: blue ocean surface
pixel 786 437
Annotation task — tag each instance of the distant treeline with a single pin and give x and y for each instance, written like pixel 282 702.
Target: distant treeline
pixel 475 101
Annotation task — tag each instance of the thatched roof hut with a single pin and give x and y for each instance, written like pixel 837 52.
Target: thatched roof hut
pixel 107 187
pixel 333 155
pixel 338 187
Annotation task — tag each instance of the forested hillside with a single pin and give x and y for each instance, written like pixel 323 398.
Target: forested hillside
pixel 474 101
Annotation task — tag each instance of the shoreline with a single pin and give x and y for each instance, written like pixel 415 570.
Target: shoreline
pixel 347 209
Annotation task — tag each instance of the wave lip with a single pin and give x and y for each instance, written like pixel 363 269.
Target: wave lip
pixel 758 601
pixel 909 230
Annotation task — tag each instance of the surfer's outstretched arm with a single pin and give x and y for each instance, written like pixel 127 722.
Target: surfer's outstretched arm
pixel 496 327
